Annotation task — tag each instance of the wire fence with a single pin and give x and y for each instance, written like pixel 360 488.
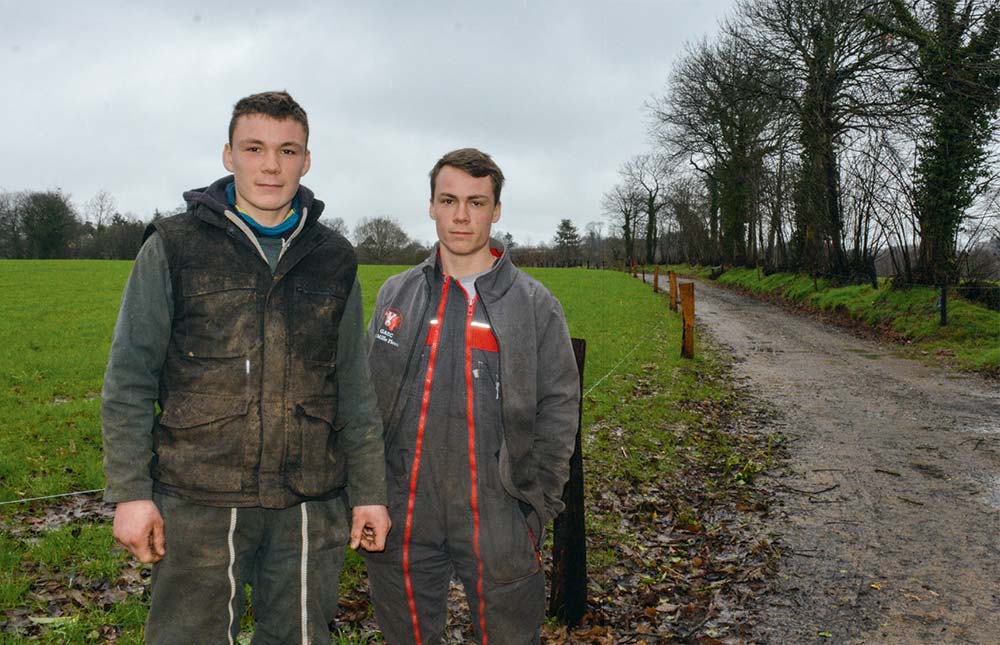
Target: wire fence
pixel 101 490
pixel 56 496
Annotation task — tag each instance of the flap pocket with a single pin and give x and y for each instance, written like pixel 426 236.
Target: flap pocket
pixel 218 317
pixel 201 284
pixel 315 467
pixel 322 290
pixel 188 409
pixel 200 443
pixel 323 408
pixel 317 308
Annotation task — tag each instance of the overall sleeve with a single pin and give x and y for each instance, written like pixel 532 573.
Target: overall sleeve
pixel 557 406
pixel 361 433
pixel 131 381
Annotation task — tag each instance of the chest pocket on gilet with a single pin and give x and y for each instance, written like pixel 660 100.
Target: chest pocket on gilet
pixel 314 321
pixel 219 314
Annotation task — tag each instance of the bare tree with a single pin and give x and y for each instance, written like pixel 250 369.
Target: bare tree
pixel 623 204
pixel 595 243
pixel 686 205
pixel 337 224
pixel 99 209
pixel 717 114
pixel 379 240
pixel 12 243
pixel 647 174
pixel 832 68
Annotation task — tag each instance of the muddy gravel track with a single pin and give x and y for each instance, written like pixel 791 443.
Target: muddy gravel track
pixel 888 508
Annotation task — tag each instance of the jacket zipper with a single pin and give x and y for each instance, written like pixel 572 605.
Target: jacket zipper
pixel 470 419
pixel 415 468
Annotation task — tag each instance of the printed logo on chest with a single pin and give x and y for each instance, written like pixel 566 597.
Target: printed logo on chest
pixel 391 322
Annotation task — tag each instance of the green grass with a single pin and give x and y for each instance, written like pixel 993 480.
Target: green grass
pixel 56 330
pixel 971 339
pixel 14 585
pixel 647 413
pixel 74 561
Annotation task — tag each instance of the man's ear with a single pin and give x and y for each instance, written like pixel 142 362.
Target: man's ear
pixel 430 210
pixel 227 157
pixel 307 164
pixel 496 213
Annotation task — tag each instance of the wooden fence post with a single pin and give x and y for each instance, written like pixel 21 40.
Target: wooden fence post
pixel 687 311
pixel 568 596
pixel 656 279
pixel 672 277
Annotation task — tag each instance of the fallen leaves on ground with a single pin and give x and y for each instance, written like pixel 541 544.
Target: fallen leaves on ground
pixel 687 557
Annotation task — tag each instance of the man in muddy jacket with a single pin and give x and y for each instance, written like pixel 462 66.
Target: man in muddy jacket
pixel 479 393
pixel 242 321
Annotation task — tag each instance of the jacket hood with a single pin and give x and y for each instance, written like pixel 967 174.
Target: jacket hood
pixel 213 198
pixel 490 286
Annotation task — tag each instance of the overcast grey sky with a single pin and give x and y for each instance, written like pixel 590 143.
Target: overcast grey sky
pixel 135 97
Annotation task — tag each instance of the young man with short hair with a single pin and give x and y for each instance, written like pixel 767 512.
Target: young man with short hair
pixel 479 396
pixel 242 322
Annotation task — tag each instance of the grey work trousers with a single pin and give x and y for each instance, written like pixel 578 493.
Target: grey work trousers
pixel 291 558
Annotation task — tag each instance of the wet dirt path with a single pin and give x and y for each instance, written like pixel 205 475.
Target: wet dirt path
pixel 889 505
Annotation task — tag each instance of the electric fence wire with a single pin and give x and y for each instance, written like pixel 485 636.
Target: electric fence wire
pixel 35 499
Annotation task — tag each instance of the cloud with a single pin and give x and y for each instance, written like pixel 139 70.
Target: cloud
pixel 136 98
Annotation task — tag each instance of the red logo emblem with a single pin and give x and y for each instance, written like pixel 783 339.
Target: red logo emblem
pixel 392 320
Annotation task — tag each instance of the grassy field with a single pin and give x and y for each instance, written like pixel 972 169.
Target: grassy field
pixel 971 340
pixel 648 416
pixel 55 330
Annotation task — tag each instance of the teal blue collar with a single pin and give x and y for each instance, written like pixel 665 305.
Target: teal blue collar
pixel 290 222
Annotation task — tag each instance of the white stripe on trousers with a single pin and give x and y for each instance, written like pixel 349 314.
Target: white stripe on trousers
pixel 303 581
pixel 232 580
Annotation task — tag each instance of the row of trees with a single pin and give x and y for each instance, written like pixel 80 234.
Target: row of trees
pixel 381 240
pixel 47 225
pixel 821 135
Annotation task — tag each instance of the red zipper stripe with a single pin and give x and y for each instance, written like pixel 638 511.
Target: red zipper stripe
pixel 534 541
pixel 434 332
pixel 480 338
pixel 473 474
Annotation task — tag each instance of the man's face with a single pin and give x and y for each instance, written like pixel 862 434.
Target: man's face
pixel 463 210
pixel 268 158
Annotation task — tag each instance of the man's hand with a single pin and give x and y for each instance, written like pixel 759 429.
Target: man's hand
pixel 369 526
pixel 139 529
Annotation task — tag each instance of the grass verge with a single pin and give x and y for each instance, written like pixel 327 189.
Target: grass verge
pixel 910 315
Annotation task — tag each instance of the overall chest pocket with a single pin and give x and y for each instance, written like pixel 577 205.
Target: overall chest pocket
pixel 219 314
pixel 315 318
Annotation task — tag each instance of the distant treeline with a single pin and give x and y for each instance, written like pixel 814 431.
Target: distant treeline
pixel 47 225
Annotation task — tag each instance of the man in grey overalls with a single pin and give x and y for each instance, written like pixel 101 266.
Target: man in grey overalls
pixel 479 394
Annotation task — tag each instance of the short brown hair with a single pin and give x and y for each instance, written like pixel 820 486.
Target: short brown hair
pixel 474 162
pixel 277 105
